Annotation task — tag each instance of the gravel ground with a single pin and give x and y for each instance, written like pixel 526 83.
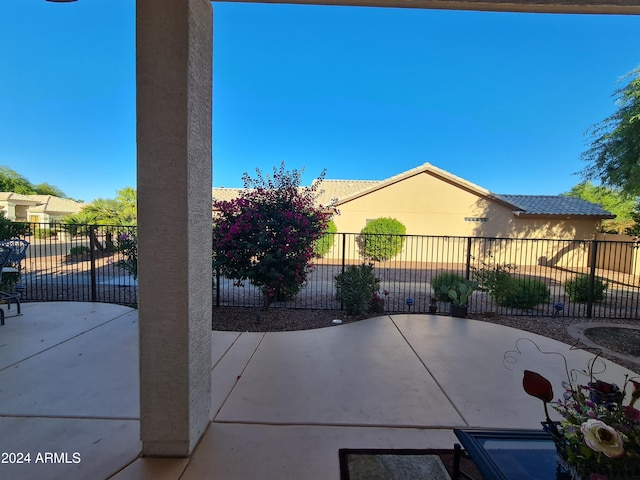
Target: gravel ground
pixel 240 319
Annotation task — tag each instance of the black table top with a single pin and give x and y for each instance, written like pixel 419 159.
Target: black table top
pixel 512 454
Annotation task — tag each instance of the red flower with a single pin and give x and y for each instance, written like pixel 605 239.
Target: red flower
pixel 537 386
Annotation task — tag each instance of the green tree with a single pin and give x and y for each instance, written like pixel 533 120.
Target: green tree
pixel 614 154
pixel 48 189
pixel 121 210
pixel 12 181
pixel 613 200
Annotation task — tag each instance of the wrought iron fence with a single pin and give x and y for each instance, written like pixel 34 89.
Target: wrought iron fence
pixel 76 263
pixel 82 264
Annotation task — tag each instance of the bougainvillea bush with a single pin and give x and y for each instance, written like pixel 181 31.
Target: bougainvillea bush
pixel 267 234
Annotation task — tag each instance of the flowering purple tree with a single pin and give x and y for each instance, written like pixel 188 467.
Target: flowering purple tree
pixel 267 234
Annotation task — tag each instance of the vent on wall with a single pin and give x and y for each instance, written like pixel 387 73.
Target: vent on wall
pixel 476 219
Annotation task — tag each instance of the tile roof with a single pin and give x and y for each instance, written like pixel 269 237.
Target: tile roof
pixel 18 197
pixel 51 204
pixel 523 205
pixel 555 205
pixel 329 190
pixel 42 203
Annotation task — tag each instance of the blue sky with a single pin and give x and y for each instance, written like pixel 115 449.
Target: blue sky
pixel 502 100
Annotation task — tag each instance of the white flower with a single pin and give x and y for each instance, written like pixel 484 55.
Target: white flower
pixel 600 437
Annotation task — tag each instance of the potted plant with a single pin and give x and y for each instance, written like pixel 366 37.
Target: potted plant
pixel 433 305
pixel 459 294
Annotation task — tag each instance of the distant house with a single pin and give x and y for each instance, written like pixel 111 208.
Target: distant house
pixel 431 201
pixel 36 208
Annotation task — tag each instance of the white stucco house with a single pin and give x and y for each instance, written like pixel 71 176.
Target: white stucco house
pixel 36 208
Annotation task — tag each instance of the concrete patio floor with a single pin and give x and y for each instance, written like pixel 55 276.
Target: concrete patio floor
pixel 283 404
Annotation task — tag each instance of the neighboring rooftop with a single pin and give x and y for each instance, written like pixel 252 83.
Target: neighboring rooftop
pixel 555 205
pixel 523 205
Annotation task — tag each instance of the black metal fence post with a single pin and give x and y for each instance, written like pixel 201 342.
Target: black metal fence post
pixel 468 259
pixel 592 276
pixel 92 258
pixel 217 286
pixel 344 254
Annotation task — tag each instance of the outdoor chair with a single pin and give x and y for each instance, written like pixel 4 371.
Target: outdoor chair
pixel 18 253
pixel 5 253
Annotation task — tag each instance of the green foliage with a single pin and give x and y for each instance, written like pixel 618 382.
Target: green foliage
pixel 79 250
pixel 121 210
pixel 382 238
pixel 444 279
pixel 497 280
pixel 615 149
pixel 12 181
pixel 525 293
pixel 9 229
pixel 460 292
pixel 510 291
pixel 48 189
pixel 267 234
pixel 43 233
pixel 578 288
pixel 611 199
pixel 324 243
pixel 127 246
pixel 9 281
pixel 355 287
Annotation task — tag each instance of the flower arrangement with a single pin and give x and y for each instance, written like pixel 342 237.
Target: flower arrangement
pixel 598 437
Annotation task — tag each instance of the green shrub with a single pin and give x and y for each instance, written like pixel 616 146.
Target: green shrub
pixel 9 281
pixel 524 293
pixel 44 233
pixel 444 280
pixel 9 229
pixel 382 238
pixel 578 288
pixel 355 287
pixel 496 280
pixel 324 243
pixel 79 250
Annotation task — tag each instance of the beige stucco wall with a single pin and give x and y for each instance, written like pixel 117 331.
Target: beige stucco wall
pixel 429 205
pixel 618 252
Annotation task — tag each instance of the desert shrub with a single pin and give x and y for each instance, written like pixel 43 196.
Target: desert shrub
pixel 382 238
pixel 524 293
pixel 578 288
pixel 497 280
pixel 324 243
pixel 9 229
pixel 443 280
pixel 79 250
pixel 355 287
pixel 127 245
pixel 44 233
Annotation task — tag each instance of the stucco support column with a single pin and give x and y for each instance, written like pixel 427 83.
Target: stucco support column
pixel 174 104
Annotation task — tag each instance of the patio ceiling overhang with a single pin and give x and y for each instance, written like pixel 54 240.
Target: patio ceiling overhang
pixel 615 7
